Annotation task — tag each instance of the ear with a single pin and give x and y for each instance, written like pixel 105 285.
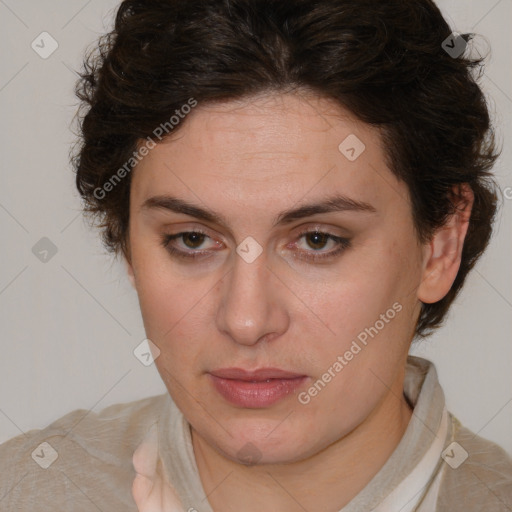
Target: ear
pixel 442 255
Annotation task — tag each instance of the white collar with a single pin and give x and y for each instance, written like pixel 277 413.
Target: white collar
pixel 412 489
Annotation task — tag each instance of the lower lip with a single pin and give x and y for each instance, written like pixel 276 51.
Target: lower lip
pixel 256 394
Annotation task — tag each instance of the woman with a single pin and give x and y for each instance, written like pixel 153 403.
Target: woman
pixel 299 189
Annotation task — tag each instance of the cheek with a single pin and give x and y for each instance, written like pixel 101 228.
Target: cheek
pixel 369 315
pixel 356 297
pixel 173 310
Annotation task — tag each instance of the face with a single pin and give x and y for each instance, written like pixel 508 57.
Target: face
pixel 258 242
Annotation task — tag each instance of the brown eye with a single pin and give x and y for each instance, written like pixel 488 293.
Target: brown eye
pixel 318 240
pixel 193 240
pixel 185 245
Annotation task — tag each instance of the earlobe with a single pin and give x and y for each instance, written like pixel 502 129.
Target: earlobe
pixel 442 255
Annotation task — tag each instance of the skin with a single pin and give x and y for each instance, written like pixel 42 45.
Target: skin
pixel 248 161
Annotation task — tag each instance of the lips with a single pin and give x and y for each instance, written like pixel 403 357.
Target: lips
pixel 255 375
pixel 256 388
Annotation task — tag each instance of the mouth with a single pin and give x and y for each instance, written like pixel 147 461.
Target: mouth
pixel 255 389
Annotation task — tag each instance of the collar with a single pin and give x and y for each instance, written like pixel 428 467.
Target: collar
pixel 425 429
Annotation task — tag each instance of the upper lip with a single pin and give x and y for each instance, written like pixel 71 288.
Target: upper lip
pixel 254 375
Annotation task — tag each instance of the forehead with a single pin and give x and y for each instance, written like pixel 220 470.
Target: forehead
pixel 267 152
pixel 272 127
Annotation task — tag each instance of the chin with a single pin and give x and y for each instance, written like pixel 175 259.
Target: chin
pixel 259 442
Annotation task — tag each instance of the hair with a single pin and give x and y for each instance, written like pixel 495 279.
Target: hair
pixel 383 61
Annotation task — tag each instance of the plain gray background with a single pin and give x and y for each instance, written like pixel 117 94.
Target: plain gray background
pixel 70 324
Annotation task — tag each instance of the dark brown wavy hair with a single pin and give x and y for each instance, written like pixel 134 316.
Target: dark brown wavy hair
pixel 384 61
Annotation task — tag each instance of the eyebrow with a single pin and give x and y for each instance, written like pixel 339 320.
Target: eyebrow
pixel 336 203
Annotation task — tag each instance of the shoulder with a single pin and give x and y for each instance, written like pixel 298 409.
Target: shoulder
pixel 478 474
pixel 81 460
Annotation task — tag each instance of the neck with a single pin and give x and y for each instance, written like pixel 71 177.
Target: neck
pixel 326 481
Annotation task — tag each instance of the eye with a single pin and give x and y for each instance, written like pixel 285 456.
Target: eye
pixel 191 240
pixel 318 240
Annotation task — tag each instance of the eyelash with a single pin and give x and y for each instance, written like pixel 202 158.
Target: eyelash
pixel 343 243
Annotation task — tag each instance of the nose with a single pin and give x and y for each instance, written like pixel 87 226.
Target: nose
pixel 252 306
